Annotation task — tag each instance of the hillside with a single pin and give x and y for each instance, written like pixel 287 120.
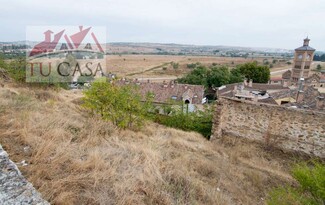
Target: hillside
pixel 74 158
pixel 171 48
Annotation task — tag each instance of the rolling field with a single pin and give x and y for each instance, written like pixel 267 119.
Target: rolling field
pixel 161 66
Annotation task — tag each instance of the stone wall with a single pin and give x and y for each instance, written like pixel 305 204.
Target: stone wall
pixel 14 188
pixel 286 128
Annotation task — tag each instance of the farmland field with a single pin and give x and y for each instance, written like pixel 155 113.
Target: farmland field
pixel 161 66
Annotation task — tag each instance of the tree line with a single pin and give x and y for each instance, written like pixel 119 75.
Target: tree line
pixel 216 76
pixel 319 57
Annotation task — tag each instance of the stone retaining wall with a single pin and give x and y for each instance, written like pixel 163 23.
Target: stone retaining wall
pixel 14 188
pixel 286 128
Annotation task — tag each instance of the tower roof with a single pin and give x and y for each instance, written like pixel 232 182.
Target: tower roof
pixel 305 46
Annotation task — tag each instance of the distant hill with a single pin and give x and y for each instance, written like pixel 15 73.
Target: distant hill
pixel 173 49
pixel 159 48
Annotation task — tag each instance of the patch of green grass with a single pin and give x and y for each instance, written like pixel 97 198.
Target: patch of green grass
pixel 311 189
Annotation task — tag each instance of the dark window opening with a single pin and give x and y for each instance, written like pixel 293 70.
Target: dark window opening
pixel 284 102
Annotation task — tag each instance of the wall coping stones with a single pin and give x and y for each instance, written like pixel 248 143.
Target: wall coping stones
pixel 14 188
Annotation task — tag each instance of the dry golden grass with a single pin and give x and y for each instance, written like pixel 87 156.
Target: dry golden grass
pixel 75 159
pixel 138 66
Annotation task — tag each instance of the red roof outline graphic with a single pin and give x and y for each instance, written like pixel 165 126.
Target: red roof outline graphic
pixel 48 46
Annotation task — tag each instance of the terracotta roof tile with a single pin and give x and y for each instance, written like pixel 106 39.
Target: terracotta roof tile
pixel 164 92
pixel 287 74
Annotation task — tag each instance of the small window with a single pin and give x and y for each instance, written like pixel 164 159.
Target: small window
pixel 284 102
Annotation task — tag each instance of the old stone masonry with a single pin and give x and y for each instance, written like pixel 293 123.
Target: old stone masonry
pixel 14 188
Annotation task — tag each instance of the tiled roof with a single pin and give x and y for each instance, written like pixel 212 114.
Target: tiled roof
pixel 317 77
pixel 305 48
pixel 164 92
pixel 322 79
pixel 309 99
pixel 287 74
pixel 269 100
pixel 228 90
pixel 266 87
pixel 284 94
pixel 276 78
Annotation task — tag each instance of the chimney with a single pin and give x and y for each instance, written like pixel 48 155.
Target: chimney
pixel 315 91
pixel 300 96
pixel 250 84
pixel 235 90
pixel 285 83
pixel 319 102
pixel 165 84
pixel 301 84
pixel 255 98
pixel 245 82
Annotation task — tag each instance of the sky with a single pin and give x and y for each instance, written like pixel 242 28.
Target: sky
pixel 247 23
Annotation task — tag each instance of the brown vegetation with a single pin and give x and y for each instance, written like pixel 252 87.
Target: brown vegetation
pixel 76 159
pixel 138 66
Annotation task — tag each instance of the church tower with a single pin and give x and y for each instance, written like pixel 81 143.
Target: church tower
pixel 304 56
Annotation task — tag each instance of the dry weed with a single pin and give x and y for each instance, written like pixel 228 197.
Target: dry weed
pixel 76 159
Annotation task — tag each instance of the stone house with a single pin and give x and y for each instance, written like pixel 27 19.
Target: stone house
pixel 304 96
pixel 167 92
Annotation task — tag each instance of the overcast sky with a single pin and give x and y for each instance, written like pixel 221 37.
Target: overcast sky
pixel 253 23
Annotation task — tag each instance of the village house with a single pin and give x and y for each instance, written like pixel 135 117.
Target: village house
pixel 297 88
pixel 169 92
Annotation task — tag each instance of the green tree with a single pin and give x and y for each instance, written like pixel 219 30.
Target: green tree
pixel 319 67
pixel 236 76
pixel 3 64
pixel 121 105
pixel 258 73
pixel 218 76
pixel 17 69
pixel 191 65
pixel 175 65
pixel 212 77
pixel 197 76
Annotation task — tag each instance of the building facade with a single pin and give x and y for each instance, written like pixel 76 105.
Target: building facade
pixel 303 59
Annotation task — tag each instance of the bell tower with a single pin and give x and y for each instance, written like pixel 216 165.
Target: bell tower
pixel 304 56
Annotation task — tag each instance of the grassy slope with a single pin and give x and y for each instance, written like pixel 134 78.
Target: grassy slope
pixel 75 159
